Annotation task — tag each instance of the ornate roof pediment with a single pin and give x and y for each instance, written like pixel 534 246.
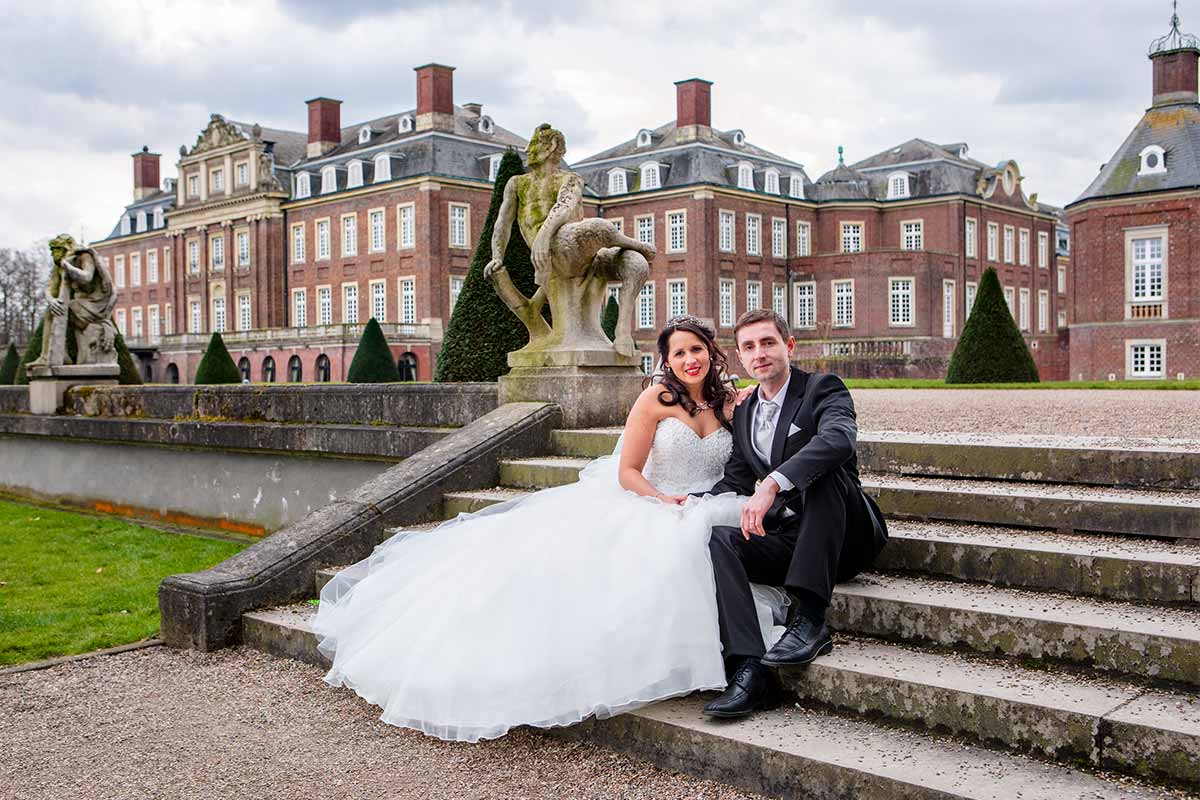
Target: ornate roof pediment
pixel 1006 178
pixel 219 133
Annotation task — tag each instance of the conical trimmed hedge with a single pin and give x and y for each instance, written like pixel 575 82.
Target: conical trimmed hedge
pixel 33 349
pixel 8 370
pixel 373 359
pixel 482 330
pixel 608 320
pixel 991 348
pixel 217 365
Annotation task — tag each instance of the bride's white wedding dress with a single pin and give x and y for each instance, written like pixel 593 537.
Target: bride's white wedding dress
pixel 579 600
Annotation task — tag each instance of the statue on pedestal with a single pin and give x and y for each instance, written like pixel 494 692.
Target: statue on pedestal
pixel 574 258
pixel 81 301
pixel 568 361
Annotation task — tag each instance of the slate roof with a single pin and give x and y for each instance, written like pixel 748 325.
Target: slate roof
pixel 711 158
pixel 158 197
pixel 288 146
pixel 1176 129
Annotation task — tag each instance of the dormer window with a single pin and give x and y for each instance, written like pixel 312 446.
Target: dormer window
pixel 141 221
pixel 328 180
pixel 303 185
pixel 406 123
pixel 643 138
pixel 897 185
pixel 364 134
pixel 617 181
pixel 745 174
pixel 650 176
pixel 486 125
pixel 383 168
pixel 739 138
pixel 158 217
pixel 494 167
pixel 125 225
pixel 1154 161
pixel 354 175
pixel 771 181
pixel 796 187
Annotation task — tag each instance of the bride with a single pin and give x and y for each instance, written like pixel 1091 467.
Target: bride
pixel 588 599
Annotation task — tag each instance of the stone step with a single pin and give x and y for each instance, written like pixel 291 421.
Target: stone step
pixel 1162 464
pixel 1052 713
pixel 541 473
pixel 455 503
pixel 788 752
pixel 1099 565
pixel 1159 643
pixel 1167 515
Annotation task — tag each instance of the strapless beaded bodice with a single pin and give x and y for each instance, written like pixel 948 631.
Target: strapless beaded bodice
pixel 681 461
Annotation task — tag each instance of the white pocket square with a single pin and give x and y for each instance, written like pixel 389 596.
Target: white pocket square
pixel 793 430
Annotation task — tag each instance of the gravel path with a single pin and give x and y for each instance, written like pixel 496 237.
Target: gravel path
pixel 160 723
pixel 1126 414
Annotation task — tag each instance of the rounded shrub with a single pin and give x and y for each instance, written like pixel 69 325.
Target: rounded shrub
pixel 482 330
pixel 33 350
pixel 608 320
pixel 991 348
pixel 8 369
pixel 372 361
pixel 217 365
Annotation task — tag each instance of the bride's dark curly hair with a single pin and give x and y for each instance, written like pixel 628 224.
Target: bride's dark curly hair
pixel 718 389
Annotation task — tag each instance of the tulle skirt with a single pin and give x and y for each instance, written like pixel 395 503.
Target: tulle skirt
pixel 574 601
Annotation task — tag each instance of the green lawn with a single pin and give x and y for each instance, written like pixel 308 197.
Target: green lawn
pixel 71 583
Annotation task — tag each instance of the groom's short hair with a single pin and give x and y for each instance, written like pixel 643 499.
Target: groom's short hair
pixel 762 315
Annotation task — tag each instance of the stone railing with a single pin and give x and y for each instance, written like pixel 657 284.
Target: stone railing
pixel 867 348
pixel 350 334
pixel 1145 310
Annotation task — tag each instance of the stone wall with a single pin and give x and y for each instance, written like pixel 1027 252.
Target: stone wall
pixel 14 399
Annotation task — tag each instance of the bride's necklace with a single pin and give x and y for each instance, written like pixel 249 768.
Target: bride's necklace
pixel 701 408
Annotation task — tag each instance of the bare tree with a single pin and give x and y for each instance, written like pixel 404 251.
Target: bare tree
pixel 23 275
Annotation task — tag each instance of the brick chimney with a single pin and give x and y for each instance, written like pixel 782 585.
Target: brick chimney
pixel 145 173
pixel 435 97
pixel 693 102
pixel 324 125
pixel 1175 76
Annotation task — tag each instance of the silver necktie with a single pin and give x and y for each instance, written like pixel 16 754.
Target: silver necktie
pixel 764 432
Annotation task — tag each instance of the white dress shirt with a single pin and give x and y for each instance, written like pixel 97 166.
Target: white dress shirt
pixel 762 429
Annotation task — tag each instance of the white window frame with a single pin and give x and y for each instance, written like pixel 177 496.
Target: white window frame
pixel 216 252
pixel 459 230
pixel 242 236
pixel 303 185
pixel 364 134
pixel 618 223
pixel 646 306
pixel 912 234
pixel 494 167
pixel 137 322
pixel 1024 300
pixel 377 224
pixel 406 226
pixel 155 322
pixel 676 300
pixel 350 302
pixel 803 239
pixel 119 271
pixel 193 256
pixel 1010 298
pixel 323 228
pixel 297 242
pixel 456 287
pixel 1043 250
pixel 969 293
pixel 135 269
pixel 300 308
pixel 745 175
pixel 1144 167
pixel 218 311
pixel 325 305
pixel 647 363
pixel 1061 318
pixel 241 173
pixel 383 168
pixel 216 180
pixel 195 315
pixel 1062 279
pixel 651 176
pixel 840 321
pixel 193 185
pixel 852 242
pixel 328 180
pixel 618 181
pixel 677 232
pixel 726 231
pixel 727 301
pixel 377 291
pixel 796 187
pixel 151 266
pixel 1023 247
pixel 971 234
pixel 993 241
pixel 1148 233
pixel 168 320
pixel 354 174
pixel 949 312
pixel 1145 374
pixel 1043 311
pixel 158 217
pixel 406 299
pixel 1010 233
pixel 167 266
pixel 778 237
pixel 779 299
pixel 898 186
pixel 753 295
pixel 125 225
pixel 349 234
pixel 771 181
pixel 753 234
pixel 643 226
pixel 902 302
pixel 140 220
pixel 121 326
pixel 245 310
pixel 804 305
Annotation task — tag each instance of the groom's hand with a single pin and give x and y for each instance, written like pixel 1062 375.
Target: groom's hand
pixel 757 507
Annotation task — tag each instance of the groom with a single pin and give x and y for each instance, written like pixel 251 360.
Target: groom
pixel 807 524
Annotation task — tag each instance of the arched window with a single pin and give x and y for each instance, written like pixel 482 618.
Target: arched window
pixel 295 370
pixel 407 364
pixel 796 186
pixel 383 168
pixel 745 176
pixel 643 138
pixel 303 185
pixel 1154 160
pixel 141 221
pixel 268 370
pixel 651 179
pixel 158 217
pixel 616 181
pixel 323 368
pixel 125 225
pixel 897 185
pixel 328 180
pixel 406 123
pixel 485 125
pixel 771 181
pixel 244 368
pixel 364 134
pixel 354 175
pixel 172 373
pixel 739 138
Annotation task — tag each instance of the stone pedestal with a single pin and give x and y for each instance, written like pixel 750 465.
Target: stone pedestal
pixel 47 385
pixel 594 388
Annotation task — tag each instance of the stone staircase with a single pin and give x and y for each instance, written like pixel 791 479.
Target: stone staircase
pixel 1017 639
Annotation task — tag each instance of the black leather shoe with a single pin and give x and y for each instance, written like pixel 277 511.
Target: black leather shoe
pixel 803 641
pixel 752 687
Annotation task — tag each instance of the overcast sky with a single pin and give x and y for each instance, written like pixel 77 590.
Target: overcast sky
pixel 1055 86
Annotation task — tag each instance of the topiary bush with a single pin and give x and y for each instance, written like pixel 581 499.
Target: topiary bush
pixel 373 359
pixel 8 369
pixel 217 365
pixel 991 348
pixel 33 349
pixel 482 330
pixel 608 320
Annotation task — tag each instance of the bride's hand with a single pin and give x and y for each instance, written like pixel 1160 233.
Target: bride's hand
pixel 672 499
pixel 743 393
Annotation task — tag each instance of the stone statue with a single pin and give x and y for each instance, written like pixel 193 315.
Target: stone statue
pixel 574 260
pixel 81 300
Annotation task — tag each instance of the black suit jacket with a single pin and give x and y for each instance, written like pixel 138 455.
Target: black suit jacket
pixel 816 433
